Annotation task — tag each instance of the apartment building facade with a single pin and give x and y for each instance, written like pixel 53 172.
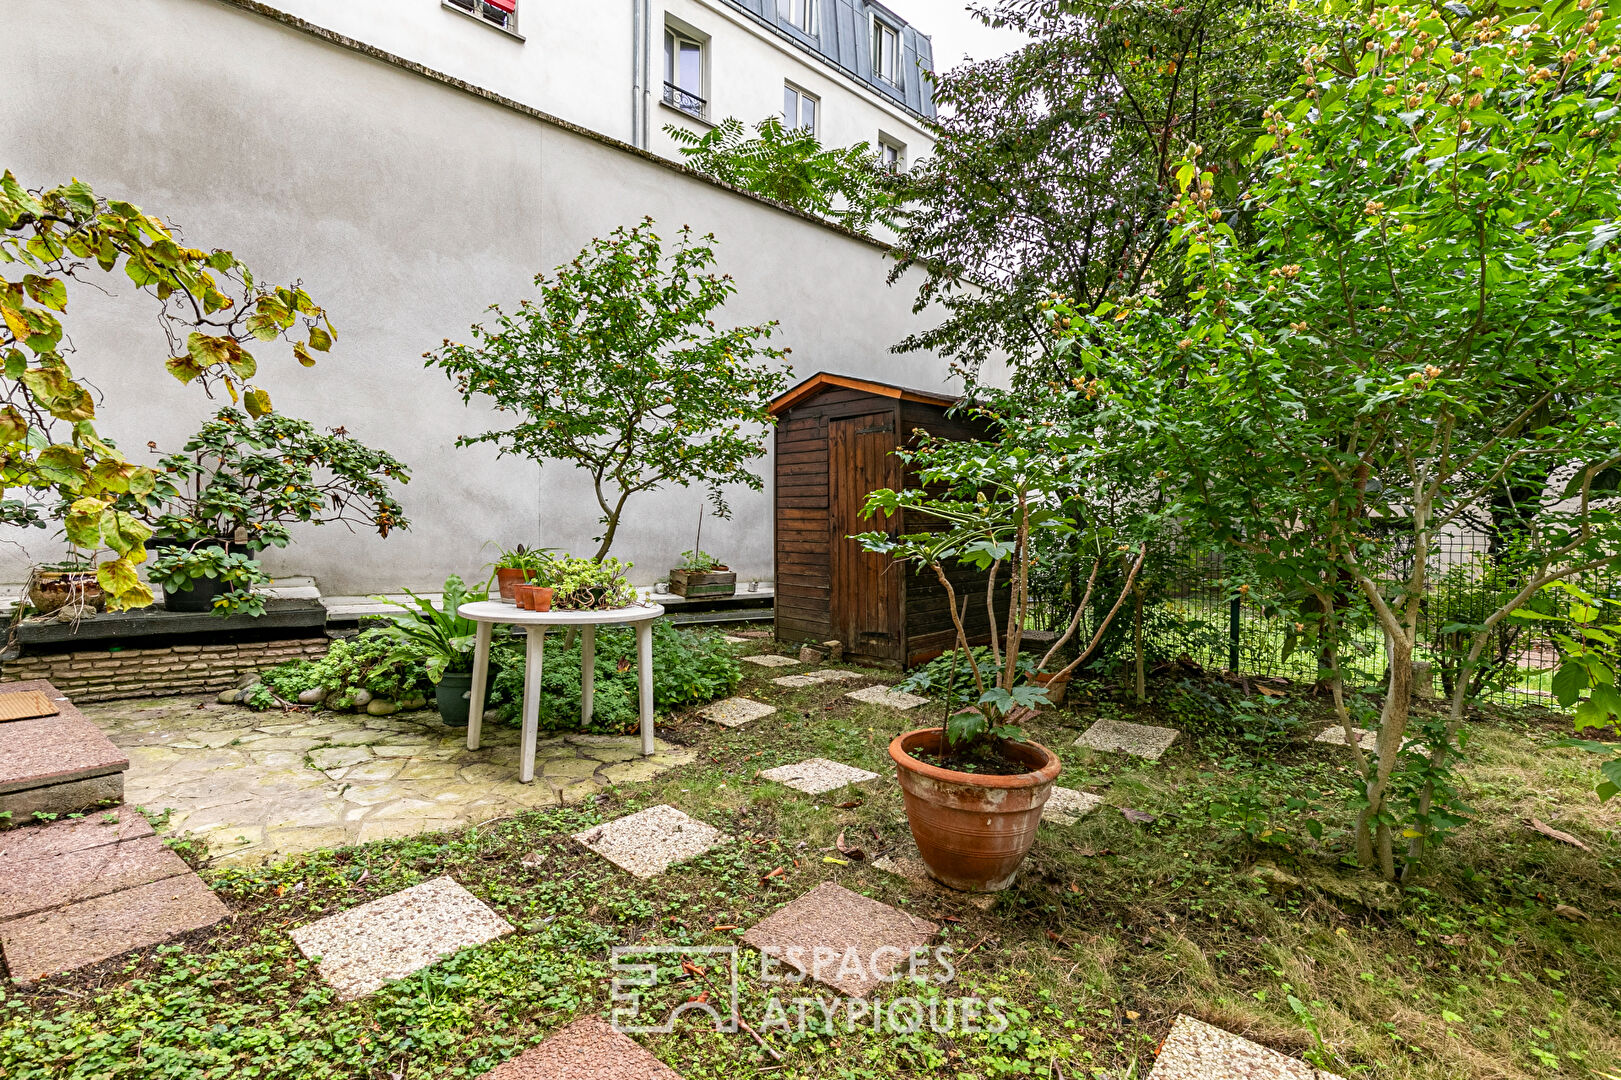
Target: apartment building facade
pixel 850 70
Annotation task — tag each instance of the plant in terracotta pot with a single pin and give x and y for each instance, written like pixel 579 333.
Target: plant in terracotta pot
pixel 520 566
pixel 975 786
pixel 71 584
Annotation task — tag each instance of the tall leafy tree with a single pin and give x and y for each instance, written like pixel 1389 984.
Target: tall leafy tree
pixel 618 368
pixel 1053 169
pixel 848 185
pixel 1428 322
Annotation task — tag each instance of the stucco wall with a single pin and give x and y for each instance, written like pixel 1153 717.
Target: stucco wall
pixel 405 206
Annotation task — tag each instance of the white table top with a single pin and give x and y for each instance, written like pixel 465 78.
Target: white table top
pixel 493 611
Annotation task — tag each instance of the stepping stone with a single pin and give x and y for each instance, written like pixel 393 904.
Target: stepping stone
pixel 1196 1051
pixel 366 948
pixel 882 695
pixel 736 711
pixel 733 639
pixel 811 678
pixel 1066 806
pixel 1143 740
pixel 1335 736
pixel 84 933
pixel 588 1049
pixel 648 843
pixel 817 775
pixel 841 939
pixel 18 846
pixel 769 660
pixel 55 881
pixel 56 764
pixel 907 863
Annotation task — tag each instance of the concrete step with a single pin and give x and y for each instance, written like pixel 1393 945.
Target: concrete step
pixel 56 764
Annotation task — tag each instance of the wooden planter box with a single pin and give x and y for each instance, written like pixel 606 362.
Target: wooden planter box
pixel 694 586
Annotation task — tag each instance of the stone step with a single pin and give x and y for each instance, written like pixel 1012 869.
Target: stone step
pixel 56 764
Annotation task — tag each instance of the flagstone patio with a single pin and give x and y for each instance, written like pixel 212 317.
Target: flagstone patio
pixel 254 786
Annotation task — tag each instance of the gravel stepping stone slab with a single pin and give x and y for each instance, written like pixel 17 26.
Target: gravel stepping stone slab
pixel 648 843
pixel 365 948
pixel 1335 736
pixel 733 639
pixel 1196 1051
pixel 811 678
pixel 1143 740
pixel 1066 806
pixel 80 934
pixel 769 660
pixel 841 939
pixel 588 1049
pixel 882 695
pixel 817 775
pixel 736 711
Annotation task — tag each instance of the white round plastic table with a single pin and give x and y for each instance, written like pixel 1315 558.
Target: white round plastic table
pixel 487 613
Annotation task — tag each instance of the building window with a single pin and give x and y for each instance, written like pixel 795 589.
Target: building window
pixel 799 14
pixel 799 108
pixel 684 74
pixel 886 52
pixel 892 153
pixel 503 13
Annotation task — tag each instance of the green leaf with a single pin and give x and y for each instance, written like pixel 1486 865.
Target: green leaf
pixel 1569 682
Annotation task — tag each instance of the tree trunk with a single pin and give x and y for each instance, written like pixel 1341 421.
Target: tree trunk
pixel 1374 843
pixel 1137 645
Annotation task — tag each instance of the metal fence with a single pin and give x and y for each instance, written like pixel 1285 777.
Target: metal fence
pixel 1192 611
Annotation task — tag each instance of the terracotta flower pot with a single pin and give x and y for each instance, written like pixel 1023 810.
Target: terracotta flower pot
pixel 973 831
pixel 508 580
pixel 1057 686
pixel 520 596
pixel 540 598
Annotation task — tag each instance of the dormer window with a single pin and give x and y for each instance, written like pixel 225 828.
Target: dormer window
pixel 799 14
pixel 886 52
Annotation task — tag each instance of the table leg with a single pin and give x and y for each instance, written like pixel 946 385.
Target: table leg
pixel 588 672
pixel 534 662
pixel 481 679
pixel 644 677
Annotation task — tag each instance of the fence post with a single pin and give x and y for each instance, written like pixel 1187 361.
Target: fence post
pixel 1234 611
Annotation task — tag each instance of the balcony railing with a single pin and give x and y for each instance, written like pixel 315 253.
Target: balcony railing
pixel 686 101
pixel 487 11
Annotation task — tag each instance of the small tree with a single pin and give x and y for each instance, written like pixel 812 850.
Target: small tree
pixel 1428 325
pixel 209 306
pixel 618 368
pixel 850 185
pixel 1000 507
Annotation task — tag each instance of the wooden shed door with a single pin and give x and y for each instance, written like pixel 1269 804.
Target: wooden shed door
pixel 865 598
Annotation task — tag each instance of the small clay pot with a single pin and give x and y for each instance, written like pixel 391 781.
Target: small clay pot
pixel 973 831
pixel 523 596
pixel 540 598
pixel 1057 686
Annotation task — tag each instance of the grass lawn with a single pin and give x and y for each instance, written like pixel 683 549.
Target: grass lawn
pixel 1111 930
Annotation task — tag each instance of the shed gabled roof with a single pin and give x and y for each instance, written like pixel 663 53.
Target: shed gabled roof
pixel 823 381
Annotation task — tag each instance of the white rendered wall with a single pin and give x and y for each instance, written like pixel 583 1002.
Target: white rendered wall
pixel 406 207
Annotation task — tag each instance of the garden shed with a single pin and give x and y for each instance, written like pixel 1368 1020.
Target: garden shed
pixel 835 442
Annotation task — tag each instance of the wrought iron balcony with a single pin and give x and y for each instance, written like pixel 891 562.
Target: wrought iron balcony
pixel 686 101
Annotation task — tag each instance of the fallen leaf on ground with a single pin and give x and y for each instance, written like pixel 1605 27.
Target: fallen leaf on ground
pixel 1137 817
pixel 1554 834
pixel 1268 691
pixel 851 805
pixel 846 850
pixel 1088 853
pixel 1565 911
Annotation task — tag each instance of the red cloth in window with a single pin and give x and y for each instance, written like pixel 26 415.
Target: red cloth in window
pixel 508 6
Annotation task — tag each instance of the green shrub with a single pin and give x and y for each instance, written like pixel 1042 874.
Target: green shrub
pixel 689 667
pixel 374 661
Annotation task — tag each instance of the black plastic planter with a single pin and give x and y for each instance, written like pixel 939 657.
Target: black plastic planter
pixel 454 694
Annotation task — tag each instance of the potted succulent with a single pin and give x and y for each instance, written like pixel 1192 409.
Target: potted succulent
pixel 237 487
pixel 700 574
pixel 975 786
pixel 518 566
pixel 444 640
pixel 590 584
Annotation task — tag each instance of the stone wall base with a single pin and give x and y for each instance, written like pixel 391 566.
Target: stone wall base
pixel 103 675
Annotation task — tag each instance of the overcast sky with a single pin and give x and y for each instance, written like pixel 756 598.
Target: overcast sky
pixel 957 35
